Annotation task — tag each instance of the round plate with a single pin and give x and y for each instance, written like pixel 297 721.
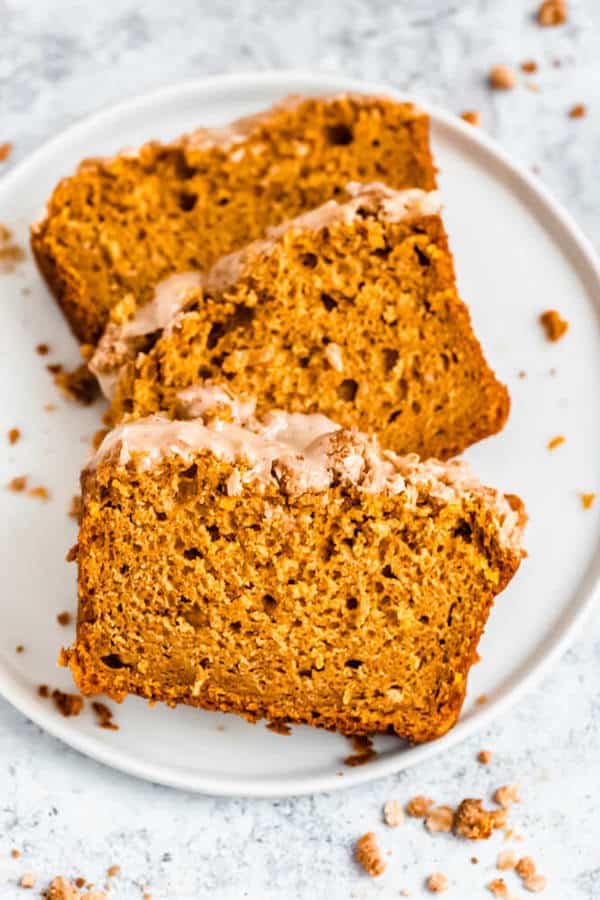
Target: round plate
pixel 517 253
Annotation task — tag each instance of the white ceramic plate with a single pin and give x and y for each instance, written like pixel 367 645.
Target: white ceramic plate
pixel 517 253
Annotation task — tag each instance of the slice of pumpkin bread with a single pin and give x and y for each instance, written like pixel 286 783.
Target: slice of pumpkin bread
pixel 122 224
pixel 285 568
pixel 350 310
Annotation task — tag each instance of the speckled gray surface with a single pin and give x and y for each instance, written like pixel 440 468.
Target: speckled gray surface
pixel 62 60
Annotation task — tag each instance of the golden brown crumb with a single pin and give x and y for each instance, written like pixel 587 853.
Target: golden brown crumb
pixel 474 860
pixel 475 823
pixel 79 385
pixel 553 324
pixel 75 507
pixel 587 500
pixel 484 757
pixel 365 752
pixel 440 819
pixel 54 368
pixel 393 813
pixel 578 111
pixel 104 715
pixel 67 704
pixel 42 349
pixel 72 553
pixel 529 66
pixel 502 78
pixel 556 442
pixel 19 648
pixel 43 691
pixel 472 116
pixel 278 726
pixel 368 855
pixel 481 699
pixel 535 884
pixel 40 493
pixel 64 618
pixel 552 12
pixel 5 151
pixel 80 882
pixel 27 881
pixel 10 253
pixel 15 854
pixel 49 407
pixel 437 883
pixel 13 435
pixel 113 871
pixel 419 806
pixel 507 794
pixel 526 868
pixel 498 888
pixel 17 484
pixel 506 860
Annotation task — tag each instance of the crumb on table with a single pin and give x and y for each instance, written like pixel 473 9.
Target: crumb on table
pixel 587 500
pixel 67 704
pixel 28 880
pixel 498 888
pixel 368 855
pixel 529 66
pixel 17 484
pixel 437 883
pixel 418 807
pixel 579 111
pixel 42 349
pixel 472 116
pixel 506 860
pixel 11 254
pixel 393 813
pixel 552 12
pixel 556 442
pixel 13 435
pixel 484 757
pixel 5 150
pixel 507 795
pixel 20 648
pixel 39 492
pixel 104 716
pixel 502 78
pixel 553 324
pixel 475 823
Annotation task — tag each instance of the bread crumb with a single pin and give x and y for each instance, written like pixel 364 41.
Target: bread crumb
pixel 419 806
pixel 10 253
pixel 553 324
pixel 28 880
pixel 498 888
pixel 5 151
pixel 42 349
pixel 474 860
pixel 502 78
pixel 49 407
pixel 587 500
pixel 535 884
pixel 437 883
pixel 279 726
pixel 40 493
pixel 578 111
pixel 484 757
pixel 72 553
pixel 368 855
pixel 19 648
pixel 104 716
pixel 17 484
pixel 556 442
pixel 13 436
pixel 365 752
pixel 507 794
pixel 529 66
pixel 15 854
pixel 43 691
pixel 61 889
pixel 440 819
pixel 475 823
pixel 472 116
pixel 80 882
pixel 67 704
pixel 64 618
pixel 481 699
pixel 393 813
pixel 54 368
pixel 113 871
pixel 525 868
pixel 79 385
pixel 552 12
pixel 506 860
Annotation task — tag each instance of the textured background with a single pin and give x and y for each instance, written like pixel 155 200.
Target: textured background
pixel 60 61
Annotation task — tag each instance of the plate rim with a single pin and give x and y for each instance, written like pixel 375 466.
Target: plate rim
pixel 586 593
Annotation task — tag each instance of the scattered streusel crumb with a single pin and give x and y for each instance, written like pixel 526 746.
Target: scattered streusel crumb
pixel 19 648
pixel 472 116
pixel 39 492
pixel 393 813
pixel 17 484
pixel 552 12
pixel 529 66
pixel 506 860
pixel 440 819
pixel 5 151
pixel 437 883
pixel 15 854
pixel 419 806
pixel 507 794
pixel 10 253
pixel 556 442
pixel 80 882
pixel 368 855
pixel 498 888
pixel 279 726
pixel 61 889
pixel 535 884
pixel 79 385
pixel 365 752
pixel 113 871
pixel 104 716
pixel 64 618
pixel 484 757
pixel 579 111
pixel 75 507
pixel 525 868
pixel 67 704
pixel 475 823
pixel 42 349
pixel 43 691
pixel 553 324
pixel 502 78
pixel 28 880
pixel 474 860
pixel 587 500
pixel 13 436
